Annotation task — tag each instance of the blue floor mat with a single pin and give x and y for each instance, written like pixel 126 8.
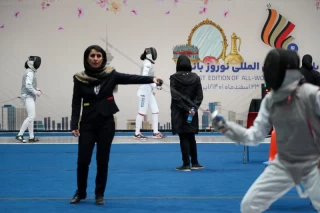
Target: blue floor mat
pixel 142 178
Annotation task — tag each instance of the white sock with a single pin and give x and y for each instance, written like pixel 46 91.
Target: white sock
pixel 155 118
pixel 28 122
pixel 24 127
pixel 30 128
pixel 139 120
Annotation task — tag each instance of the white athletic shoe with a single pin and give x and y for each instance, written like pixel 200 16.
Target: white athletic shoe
pixel 21 139
pixel 158 135
pixel 140 137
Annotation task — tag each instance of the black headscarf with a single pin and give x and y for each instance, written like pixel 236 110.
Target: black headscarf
pixel 92 75
pixel 307 62
pixel 183 64
pixel 93 72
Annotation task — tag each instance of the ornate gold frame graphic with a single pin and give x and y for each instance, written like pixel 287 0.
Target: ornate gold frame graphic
pixel 234 57
pixel 209 22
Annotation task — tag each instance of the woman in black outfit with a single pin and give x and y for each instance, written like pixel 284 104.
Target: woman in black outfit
pixel 311 76
pixel 95 87
pixel 186 92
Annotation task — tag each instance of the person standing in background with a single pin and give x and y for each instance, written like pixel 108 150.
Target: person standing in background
pixel 29 91
pixel 146 96
pixel 189 84
pixel 311 76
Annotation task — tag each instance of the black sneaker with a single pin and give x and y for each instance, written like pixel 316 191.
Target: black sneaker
pixel 77 197
pixel 185 168
pixel 140 137
pixel 99 201
pixel 21 139
pixel 32 140
pixel 197 166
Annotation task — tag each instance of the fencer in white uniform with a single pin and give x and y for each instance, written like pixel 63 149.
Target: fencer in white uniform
pixel 146 96
pixel 29 92
pixel 293 109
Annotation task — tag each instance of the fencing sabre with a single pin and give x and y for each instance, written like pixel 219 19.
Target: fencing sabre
pixel 19 97
pixel 10 100
pixel 45 94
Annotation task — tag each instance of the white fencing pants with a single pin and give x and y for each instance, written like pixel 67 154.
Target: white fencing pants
pixel 29 103
pixel 147 100
pixel 275 182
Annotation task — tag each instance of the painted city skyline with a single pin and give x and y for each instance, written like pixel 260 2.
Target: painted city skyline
pixel 12 118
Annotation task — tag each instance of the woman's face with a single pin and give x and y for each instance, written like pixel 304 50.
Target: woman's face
pixel 95 59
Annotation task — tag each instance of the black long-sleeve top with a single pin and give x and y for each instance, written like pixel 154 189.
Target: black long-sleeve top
pixel 102 103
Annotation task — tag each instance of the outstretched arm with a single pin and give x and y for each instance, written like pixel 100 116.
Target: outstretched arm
pixel 256 133
pixel 122 78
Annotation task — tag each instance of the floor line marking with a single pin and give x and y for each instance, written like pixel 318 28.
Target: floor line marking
pixel 150 198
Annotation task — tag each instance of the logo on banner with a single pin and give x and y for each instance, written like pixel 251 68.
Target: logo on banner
pixel 276 31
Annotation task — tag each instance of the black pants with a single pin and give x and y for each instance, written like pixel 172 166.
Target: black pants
pixel 102 134
pixel 188 147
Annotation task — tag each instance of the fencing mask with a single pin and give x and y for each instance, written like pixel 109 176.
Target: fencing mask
pixel 151 51
pixel 276 63
pixel 34 61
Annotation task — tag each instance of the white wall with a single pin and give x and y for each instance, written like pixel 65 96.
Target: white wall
pixel 35 32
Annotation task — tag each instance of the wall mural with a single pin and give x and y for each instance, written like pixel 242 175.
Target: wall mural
pixel 225 55
pixel 207 44
pixel 276 31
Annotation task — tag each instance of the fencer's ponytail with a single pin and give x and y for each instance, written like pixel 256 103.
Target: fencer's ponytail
pixel 143 56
